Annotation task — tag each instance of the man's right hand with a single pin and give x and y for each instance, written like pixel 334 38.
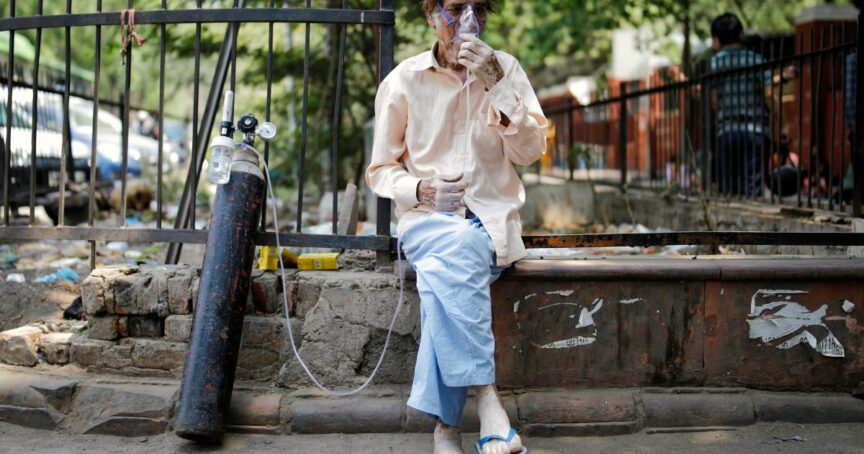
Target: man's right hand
pixel 442 193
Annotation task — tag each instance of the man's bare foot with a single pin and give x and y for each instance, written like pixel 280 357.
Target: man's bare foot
pixel 494 421
pixel 447 439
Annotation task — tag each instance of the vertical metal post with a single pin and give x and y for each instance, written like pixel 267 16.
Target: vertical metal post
pixel 386 44
pixel 94 147
pixel 34 126
pixel 622 136
pixel 7 155
pixel 858 155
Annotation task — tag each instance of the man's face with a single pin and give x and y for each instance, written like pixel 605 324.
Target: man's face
pixel 445 32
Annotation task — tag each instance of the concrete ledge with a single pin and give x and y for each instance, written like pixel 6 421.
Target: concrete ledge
pixel 98 404
pixel 687 268
pixel 814 408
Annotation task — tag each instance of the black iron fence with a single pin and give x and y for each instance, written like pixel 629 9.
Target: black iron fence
pixel 41 153
pixel 772 120
pixel 40 129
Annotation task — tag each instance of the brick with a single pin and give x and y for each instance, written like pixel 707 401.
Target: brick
pixel 18 346
pixel 805 409
pixel 349 415
pixel 122 409
pixel 55 347
pixel 592 406
pixel 178 328
pixel 145 326
pixel 87 352
pixel 34 400
pixel 258 364
pixel 600 429
pixel 265 293
pixel 180 290
pixel 249 411
pixel 105 327
pixel 158 354
pixel 264 332
pixel 142 293
pixel 93 295
pixel 697 410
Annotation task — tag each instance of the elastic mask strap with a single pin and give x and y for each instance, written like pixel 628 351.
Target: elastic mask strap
pixel 450 20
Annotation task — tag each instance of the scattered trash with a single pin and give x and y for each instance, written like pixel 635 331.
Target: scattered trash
pixel 15 277
pixel 75 311
pixel 117 246
pixel 8 258
pixel 318 261
pixel 68 262
pixel 62 273
pixel 795 438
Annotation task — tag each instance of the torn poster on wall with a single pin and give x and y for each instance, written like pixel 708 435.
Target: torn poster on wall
pixel 774 316
pixel 585 319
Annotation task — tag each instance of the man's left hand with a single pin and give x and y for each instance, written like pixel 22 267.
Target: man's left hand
pixel 480 59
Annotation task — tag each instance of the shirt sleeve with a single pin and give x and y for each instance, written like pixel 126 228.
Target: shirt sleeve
pixel 525 137
pixel 386 175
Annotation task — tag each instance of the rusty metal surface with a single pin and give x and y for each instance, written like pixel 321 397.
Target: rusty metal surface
pixel 640 333
pixel 689 268
pixel 658 326
pixel 732 358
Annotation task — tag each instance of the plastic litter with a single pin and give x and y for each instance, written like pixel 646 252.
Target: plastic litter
pixel 15 277
pixel 63 273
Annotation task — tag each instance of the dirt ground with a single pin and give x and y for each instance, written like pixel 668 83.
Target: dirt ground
pixel 760 438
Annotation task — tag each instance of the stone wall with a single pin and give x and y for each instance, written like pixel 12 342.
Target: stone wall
pixel 140 320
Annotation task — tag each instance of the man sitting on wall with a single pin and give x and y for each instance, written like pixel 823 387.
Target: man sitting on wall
pixel 450 124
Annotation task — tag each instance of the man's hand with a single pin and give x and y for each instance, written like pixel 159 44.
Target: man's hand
pixel 442 193
pixel 480 59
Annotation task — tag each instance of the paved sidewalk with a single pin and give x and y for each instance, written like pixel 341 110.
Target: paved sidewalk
pixel 756 439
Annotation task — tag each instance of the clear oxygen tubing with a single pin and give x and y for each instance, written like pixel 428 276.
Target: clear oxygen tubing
pixel 401 273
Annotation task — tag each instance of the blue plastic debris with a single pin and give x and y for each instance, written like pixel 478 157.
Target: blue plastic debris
pixel 63 273
pixel 8 258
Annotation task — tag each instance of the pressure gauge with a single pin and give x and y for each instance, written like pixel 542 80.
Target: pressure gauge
pixel 267 131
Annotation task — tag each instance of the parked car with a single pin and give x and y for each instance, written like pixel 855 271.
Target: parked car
pixel 49 145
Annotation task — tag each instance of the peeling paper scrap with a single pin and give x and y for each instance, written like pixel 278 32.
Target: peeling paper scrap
pixel 848 306
pixel 803 337
pixel 570 343
pixel 516 307
pixel 630 301
pixel 561 292
pixel 831 347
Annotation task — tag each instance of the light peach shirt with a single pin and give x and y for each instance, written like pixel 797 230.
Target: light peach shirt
pixel 421 122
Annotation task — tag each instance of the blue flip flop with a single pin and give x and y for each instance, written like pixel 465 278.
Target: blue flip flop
pixel 479 444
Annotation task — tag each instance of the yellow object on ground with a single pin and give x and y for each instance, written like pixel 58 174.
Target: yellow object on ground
pixel 269 258
pixel 318 261
pixel 289 258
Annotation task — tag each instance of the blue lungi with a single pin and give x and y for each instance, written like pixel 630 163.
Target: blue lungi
pixel 455 264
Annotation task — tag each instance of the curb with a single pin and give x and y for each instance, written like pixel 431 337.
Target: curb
pixel 88 403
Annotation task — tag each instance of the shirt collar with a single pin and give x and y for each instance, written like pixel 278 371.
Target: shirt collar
pixel 426 60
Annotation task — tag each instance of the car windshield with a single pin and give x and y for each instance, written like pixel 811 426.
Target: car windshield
pixel 84 118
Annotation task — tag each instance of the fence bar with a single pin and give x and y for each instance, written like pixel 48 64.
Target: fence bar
pixel 304 127
pixel 7 156
pixel 210 15
pixel 267 112
pixel 37 54
pixel 161 122
pixel 337 114
pixel 693 238
pixel 800 97
pixel 385 46
pixel 843 116
pixel 622 136
pixel 197 147
pixel 94 143
pixel 66 151
pixel 832 150
pixel 858 151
